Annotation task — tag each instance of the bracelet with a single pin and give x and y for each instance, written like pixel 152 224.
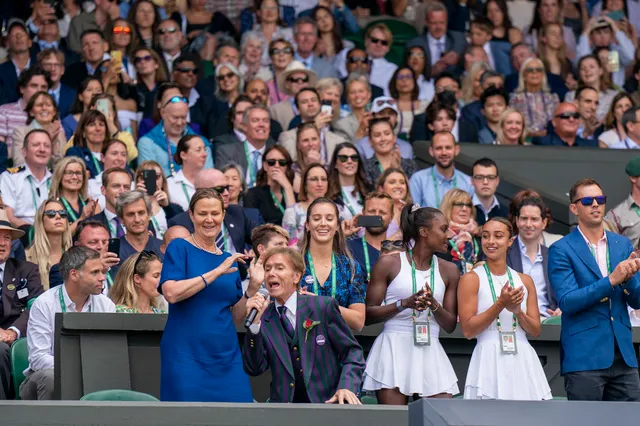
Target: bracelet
pixel 206 284
pixel 434 310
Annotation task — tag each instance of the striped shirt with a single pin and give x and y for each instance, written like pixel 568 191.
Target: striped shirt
pixel 11 116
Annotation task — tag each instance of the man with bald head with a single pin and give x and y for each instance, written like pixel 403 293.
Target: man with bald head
pixel 566 120
pixel 173 233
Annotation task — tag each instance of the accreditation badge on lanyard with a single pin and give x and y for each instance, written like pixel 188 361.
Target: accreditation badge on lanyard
pixel 421 328
pixel 508 342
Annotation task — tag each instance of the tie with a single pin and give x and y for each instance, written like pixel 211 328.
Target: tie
pixel 282 310
pixel 254 160
pixel 220 240
pixel 46 45
pixel 119 230
pixel 440 45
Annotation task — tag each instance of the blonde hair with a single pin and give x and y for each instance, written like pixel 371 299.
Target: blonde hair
pixel 55 191
pixel 40 251
pixel 124 291
pixel 503 118
pixel 522 88
pixel 382 27
pixel 476 71
pixel 453 196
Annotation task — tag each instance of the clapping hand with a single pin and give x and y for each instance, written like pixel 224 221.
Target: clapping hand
pixel 430 301
pixel 625 269
pixel 89 209
pixel 515 300
pixel 256 273
pixel 416 301
pixel 304 290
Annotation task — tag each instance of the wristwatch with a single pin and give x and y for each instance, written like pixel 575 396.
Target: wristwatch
pixel 399 306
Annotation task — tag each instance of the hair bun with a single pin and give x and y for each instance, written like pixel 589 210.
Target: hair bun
pixel 415 208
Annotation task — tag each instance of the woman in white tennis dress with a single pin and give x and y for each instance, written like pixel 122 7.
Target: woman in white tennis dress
pixel 504 365
pixel 415 294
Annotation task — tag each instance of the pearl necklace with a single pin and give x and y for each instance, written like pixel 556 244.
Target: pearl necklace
pixel 216 252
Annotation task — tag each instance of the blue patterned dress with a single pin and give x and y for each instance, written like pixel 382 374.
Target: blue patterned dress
pixel 350 288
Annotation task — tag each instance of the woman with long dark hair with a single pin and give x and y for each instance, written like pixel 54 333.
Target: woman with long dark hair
pixel 330 46
pixel 419 292
pixel 503 30
pixel 549 12
pixel 415 58
pixel 615 132
pixel 88 140
pixel 403 87
pixel 89 87
pixel 145 19
pixel 591 73
pixel 347 181
pixel 308 149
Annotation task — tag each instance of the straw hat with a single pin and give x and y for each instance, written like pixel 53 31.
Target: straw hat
pixel 294 67
pixel 4 224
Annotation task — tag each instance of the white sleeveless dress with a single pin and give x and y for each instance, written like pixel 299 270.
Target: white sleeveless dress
pixel 394 361
pixel 493 375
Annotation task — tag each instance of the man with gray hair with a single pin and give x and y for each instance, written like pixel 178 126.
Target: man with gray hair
pixel 306 37
pixel 134 210
pixel 81 270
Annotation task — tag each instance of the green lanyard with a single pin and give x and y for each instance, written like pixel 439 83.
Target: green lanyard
pixel 275 200
pixel 186 193
pixel 252 171
pixel 225 240
pixel 63 306
pixel 114 231
pixel 96 163
pixel 109 280
pixel 636 209
pixel 156 225
pixel 365 249
pixel 345 199
pixel 435 185
pixel 432 280
pixel 333 274
pixel 33 191
pixel 69 209
pixel 493 294
pixel 476 250
pixel 595 256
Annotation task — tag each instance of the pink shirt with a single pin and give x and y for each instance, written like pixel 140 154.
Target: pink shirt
pixel 600 250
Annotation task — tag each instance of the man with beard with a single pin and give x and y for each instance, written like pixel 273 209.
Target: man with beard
pixel 429 185
pixel 366 250
pixel 485 182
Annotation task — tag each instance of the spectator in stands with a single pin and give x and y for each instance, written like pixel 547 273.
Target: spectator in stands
pixel 464 245
pixel 516 372
pixel 191 156
pixel 378 40
pixel 237 185
pixel 358 96
pixel 481 30
pixel 266 237
pixel 257 90
pixel 123 38
pixel 294 78
pixel 395 183
pixel 587 99
pixel 24 188
pixel 13 115
pixel 591 73
pixel 308 151
pixel 234 130
pixel 547 12
pixel 42 113
pixel 51 238
pixel 330 90
pixel 134 211
pixel 585 269
pixel 166 92
pixel 503 29
pixel 306 36
pixel 533 97
pixel 69 186
pixel 19 60
pixel 553 53
pixel 511 129
pixel 348 184
pixel 95 235
pixel 273 192
pixel 403 87
pixel 145 17
pixel 170 39
pixel 150 76
pixel 281 54
pixel 162 209
pixel 386 152
pixel 565 129
pixel 14 321
pixel 88 88
pixel 53 62
pixel 89 139
pixel 494 103
pixel 624 216
pixel 472 55
pixel 173 233
pixel 115 181
pixel 135 289
pixel 384 108
pixel 485 180
pixel 270 25
pixel 416 59
pixel 93 52
pixel 230 86
pixel 547 238
pixel 330 45
pixel 114 154
pixel 99 20
pixel 424 234
pixel 195 302
pixel 630 123
pixel 520 52
pixel 428 186
pixel 81 270
pixel 185 75
pixel 334 379
pixel 471 86
pixel 358 62
pixel 251 49
pixel 615 132
pixel 527 255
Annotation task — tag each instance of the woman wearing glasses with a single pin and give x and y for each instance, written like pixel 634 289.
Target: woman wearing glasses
pixel 330 268
pixel 533 97
pixel 124 40
pixel 419 292
pixel 273 193
pixel 415 59
pixel 230 86
pixel 191 155
pixel 403 87
pixel 511 129
pixel 347 182
pixel 89 87
pixel 281 54
pixel 358 94
pixel 150 75
pixel 308 142
pixel 464 244
pixel 386 151
pixel 200 362
pixel 51 237
pixel 591 73
pixel 135 288
pixel 395 183
pixel 498 306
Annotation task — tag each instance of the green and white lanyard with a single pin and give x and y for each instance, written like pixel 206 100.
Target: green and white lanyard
pixel 33 191
pixel 96 163
pixel 186 193
pixel 365 249
pixel 312 268
pixel 225 239
pixel 70 210
pixel 63 306
pixel 275 200
pixel 345 199
pixel 109 280
pixel 435 185
pixel 495 299
pixel 156 225
pixel 592 248
pixel 252 171
pixel 432 281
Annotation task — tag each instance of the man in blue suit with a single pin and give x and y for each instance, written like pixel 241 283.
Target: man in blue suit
pixel 306 36
pixel 593 274
pixel 53 61
pixel 18 45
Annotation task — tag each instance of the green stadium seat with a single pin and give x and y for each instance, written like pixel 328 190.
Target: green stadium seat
pixel 560 398
pixel 368 400
pixel 19 363
pixel 118 395
pixel 553 320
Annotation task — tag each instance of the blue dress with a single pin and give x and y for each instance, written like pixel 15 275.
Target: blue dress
pixel 200 355
pixel 350 288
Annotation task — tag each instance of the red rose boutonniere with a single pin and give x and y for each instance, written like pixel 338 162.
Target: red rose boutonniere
pixel 308 325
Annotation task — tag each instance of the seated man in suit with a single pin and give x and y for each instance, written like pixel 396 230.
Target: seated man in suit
pixel 494 102
pixel 94 47
pixel 18 45
pixel 235 129
pixel 21 283
pixel 565 129
pixel 473 110
pixel 52 61
pixel 306 36
pixel 185 75
pixel 298 329
pixel 520 52
pixel 134 211
pixel 587 100
pixel 115 181
pixel 170 40
pixel 48 37
pixel 528 256
pixel 497 51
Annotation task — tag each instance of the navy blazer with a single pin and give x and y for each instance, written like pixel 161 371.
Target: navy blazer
pixel 67 96
pixel 18 275
pixel 473 112
pixel 467 131
pixel 514 261
pixel 8 83
pixel 501 51
pixel 221 127
pixel 556 84
pixel 75 74
pixel 101 217
pixel 454 41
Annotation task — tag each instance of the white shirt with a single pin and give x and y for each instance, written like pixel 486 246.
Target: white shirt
pixel 487 49
pixel 94 187
pixel 291 304
pixel 252 149
pixel 455 131
pixel 111 218
pixel 434 49
pixel 427 89
pixel 625 144
pixel 180 189
pixel 19 190
pixel 169 60
pixel 381 73
pixel 159 222
pixel 352 200
pixel 536 271
pixel 41 326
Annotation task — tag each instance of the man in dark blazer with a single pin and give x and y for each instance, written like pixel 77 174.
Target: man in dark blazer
pixel 18 45
pixel 224 130
pixel 19 283
pixel 303 339
pixel 94 48
pixel 185 75
pixel 53 61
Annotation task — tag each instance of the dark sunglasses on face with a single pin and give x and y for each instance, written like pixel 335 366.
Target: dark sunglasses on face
pixel 281 162
pixel 145 58
pixel 225 76
pixel 533 69
pixel 193 71
pixel 356 59
pixel 588 201
pixel 170 30
pixel 221 189
pixel 343 158
pixel 284 50
pixel 52 213
pixel 298 80
pixel 569 115
pixel 175 100
pixel 375 40
pixel 461 204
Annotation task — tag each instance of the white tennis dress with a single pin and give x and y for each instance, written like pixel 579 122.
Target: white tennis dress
pixel 394 361
pixel 492 374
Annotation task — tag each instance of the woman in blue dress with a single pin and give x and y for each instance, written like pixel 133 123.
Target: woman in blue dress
pixel 330 269
pixel 200 355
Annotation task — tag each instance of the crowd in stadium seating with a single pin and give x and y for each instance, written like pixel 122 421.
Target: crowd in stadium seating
pixel 237 127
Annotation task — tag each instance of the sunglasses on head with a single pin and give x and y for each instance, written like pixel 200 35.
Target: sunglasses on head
pixel 375 40
pixel 225 76
pixel 462 204
pixel 343 158
pixel 193 71
pixel 588 201
pixel 52 213
pixel 143 254
pixel 298 80
pixel 175 100
pixel 356 59
pixel 220 189
pixel 569 115
pixel 533 69
pixel 170 30
pixel 145 58
pixel 284 50
pixel 281 162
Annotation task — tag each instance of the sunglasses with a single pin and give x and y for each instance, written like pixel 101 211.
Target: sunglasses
pixel 391 245
pixel 418 55
pixel 344 158
pixel 121 30
pixel 381 102
pixel 222 77
pixel 298 80
pixel 534 69
pixel 170 30
pixel 145 58
pixel 193 71
pixel 52 213
pixel 404 77
pixel 588 201
pixel 375 40
pixel 461 204
pixel 281 162
pixel 284 50
pixel 356 59
pixel 143 254
pixel 175 100
pixel 220 189
pixel 569 115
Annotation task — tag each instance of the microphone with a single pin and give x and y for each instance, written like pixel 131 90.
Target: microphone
pixel 254 312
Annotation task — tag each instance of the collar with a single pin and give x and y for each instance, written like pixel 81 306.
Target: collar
pixel 193 97
pixel 91 70
pixel 631 144
pixel 253 148
pixel 18 70
pixel 291 304
pixel 69 303
pixel 47 44
pixel 28 172
pixel 433 40
pixel 523 249
pixel 441 177
pixel 308 60
pixel 476 202
pixel 3 266
pixel 171 58
pixel 179 177
pixel 603 238
pixel 56 92
pixel 239 135
pixel 110 216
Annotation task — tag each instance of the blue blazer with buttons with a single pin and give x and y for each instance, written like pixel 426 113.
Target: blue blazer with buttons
pixel 594 314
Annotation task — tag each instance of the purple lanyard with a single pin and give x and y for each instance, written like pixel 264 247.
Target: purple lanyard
pixel 530 109
pixel 275 84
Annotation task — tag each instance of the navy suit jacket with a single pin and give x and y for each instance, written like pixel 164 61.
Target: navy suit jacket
pixel 454 41
pixel 75 74
pixel 501 51
pixel 594 313
pixel 473 113
pixel 8 83
pixel 86 155
pixel 556 84
pixel 18 275
pixel 67 96
pixel 467 131
pixel 514 261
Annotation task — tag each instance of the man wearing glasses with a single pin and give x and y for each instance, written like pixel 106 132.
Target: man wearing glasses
pixel 565 129
pixel 185 75
pixel 485 180
pixel 594 276
pixel 357 61
pixel 52 61
pixel 378 41
pixel 169 39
